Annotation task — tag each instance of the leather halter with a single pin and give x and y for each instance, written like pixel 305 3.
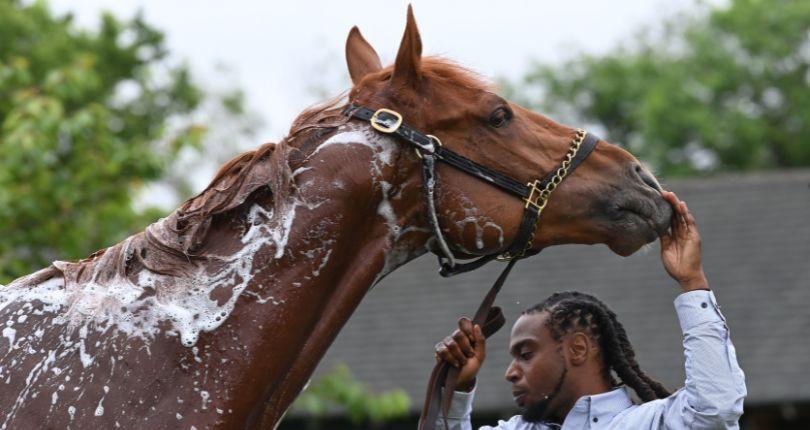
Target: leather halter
pixel 535 194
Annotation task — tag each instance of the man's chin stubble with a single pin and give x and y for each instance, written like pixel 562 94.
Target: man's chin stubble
pixel 535 412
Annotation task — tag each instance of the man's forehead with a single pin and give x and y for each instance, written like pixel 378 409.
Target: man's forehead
pixel 530 328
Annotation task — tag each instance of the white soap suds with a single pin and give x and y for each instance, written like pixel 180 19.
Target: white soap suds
pixel 100 408
pixel 205 399
pixel 10 334
pixel 139 309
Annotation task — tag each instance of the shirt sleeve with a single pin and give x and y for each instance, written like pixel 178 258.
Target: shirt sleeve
pixel 713 394
pixel 458 416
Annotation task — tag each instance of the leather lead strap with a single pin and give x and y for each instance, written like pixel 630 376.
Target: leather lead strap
pixel 491 319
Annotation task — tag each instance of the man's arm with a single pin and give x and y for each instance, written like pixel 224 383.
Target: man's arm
pixel 714 390
pixel 465 349
pixel 458 417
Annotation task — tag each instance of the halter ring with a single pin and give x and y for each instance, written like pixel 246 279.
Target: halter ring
pixel 436 141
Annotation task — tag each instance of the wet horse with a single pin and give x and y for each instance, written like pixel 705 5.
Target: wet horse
pixel 216 316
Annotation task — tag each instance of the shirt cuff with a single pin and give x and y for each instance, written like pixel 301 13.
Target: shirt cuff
pixel 461 406
pixel 697 307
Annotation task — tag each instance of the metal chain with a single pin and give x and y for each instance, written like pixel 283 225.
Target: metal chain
pixel 545 193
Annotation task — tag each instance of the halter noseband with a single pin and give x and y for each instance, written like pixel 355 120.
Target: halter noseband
pixel 535 194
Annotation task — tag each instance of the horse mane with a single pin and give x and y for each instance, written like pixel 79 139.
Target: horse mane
pixel 267 167
pixel 170 245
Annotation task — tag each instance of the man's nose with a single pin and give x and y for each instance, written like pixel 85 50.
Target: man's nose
pixel 512 374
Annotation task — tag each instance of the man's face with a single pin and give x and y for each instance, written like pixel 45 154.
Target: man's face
pixel 538 368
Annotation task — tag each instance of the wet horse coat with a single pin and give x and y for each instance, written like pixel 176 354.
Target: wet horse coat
pixel 216 316
pixel 150 327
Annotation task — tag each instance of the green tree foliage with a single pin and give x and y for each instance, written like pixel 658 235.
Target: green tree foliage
pixel 85 119
pixel 725 89
pixel 339 391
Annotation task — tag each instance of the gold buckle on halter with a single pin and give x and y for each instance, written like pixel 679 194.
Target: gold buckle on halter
pixel 537 197
pixel 379 124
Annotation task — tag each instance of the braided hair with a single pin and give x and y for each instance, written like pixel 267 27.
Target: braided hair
pixel 574 310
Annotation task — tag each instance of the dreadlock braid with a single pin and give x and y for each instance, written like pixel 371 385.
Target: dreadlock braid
pixel 574 310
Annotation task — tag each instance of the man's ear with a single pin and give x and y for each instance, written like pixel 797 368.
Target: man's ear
pixel 361 58
pixel 578 345
pixel 409 57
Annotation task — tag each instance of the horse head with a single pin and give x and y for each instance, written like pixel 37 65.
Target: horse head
pixel 612 198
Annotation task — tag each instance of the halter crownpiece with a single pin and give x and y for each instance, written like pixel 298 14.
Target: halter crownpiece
pixel 535 195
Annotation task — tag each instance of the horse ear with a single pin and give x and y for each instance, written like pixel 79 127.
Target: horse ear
pixel 360 56
pixel 406 68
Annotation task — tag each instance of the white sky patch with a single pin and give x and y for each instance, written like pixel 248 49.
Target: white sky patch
pixel 279 90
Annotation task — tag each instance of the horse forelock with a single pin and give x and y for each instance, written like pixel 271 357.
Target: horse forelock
pixel 436 67
pixel 441 69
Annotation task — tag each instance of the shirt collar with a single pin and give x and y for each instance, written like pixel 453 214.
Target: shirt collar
pixel 604 406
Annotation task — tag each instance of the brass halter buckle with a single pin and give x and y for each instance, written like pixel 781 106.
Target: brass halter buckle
pixel 537 197
pixel 386 120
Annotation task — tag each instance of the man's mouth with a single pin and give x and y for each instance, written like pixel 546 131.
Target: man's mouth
pixel 519 396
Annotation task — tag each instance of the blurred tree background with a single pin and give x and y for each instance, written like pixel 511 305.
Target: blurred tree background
pixel 339 392
pixel 86 120
pixel 724 89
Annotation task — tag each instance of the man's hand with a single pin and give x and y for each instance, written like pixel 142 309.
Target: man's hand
pixel 466 349
pixel 680 247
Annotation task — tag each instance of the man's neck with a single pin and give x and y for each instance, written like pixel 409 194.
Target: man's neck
pixel 587 385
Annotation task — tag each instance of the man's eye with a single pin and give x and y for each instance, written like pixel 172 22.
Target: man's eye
pixel 500 117
pixel 526 355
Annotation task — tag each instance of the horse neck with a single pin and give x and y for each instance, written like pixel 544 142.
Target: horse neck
pixel 349 223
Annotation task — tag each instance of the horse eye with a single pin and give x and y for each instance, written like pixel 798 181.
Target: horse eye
pixel 500 117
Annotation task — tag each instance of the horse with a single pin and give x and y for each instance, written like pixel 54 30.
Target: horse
pixel 216 315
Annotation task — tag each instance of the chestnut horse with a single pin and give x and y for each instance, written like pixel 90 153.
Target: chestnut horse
pixel 216 316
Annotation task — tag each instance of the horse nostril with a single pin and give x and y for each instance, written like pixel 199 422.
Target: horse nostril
pixel 646 177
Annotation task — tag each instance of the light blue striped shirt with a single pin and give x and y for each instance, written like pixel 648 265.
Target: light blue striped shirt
pixel 712 397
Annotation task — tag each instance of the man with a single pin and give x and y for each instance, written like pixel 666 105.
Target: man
pixel 566 349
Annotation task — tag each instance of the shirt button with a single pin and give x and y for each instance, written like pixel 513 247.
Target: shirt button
pixel 704 305
pixel 595 419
